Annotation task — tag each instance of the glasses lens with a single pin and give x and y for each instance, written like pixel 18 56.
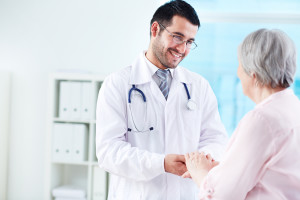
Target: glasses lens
pixel 177 39
pixel 191 45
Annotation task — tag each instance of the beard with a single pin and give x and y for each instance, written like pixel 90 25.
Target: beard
pixel 162 55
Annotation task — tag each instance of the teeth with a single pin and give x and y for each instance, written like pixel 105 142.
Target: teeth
pixel 178 56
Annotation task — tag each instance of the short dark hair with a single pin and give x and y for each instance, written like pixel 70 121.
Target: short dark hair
pixel 166 12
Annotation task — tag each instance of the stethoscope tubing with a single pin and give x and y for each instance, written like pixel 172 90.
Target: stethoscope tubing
pixel 190 105
pixel 140 91
pixel 187 91
pixel 144 97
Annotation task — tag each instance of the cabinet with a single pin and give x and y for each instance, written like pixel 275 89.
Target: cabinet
pixel 82 169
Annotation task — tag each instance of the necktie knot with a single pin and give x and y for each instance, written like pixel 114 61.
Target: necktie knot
pixel 162 74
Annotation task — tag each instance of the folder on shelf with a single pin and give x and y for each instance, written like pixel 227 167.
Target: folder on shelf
pixel 75 100
pixel 64 99
pixel 59 146
pixel 79 142
pixel 99 184
pixel 67 142
pixel 86 95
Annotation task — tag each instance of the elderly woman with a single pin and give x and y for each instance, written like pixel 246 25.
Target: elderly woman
pixel 262 160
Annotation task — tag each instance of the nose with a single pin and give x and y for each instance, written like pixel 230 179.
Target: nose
pixel 181 48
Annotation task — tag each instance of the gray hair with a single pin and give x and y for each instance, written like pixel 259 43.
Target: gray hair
pixel 270 55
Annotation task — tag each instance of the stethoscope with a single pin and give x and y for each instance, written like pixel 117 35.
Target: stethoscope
pixel 191 105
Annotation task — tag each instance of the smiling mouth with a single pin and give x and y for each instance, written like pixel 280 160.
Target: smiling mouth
pixel 177 55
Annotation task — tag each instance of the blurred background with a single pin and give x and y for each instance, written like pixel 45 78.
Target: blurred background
pixel 38 38
pixel 224 26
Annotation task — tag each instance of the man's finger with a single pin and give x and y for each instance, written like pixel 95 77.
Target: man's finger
pixel 181 158
pixel 186 175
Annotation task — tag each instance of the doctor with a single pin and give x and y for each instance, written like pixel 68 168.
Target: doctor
pixel 153 112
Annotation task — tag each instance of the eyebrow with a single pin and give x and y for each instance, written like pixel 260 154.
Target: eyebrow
pixel 178 33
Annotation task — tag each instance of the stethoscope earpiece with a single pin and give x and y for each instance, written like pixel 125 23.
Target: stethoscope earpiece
pixel 191 105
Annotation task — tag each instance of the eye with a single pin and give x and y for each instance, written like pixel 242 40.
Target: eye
pixel 177 38
pixel 189 42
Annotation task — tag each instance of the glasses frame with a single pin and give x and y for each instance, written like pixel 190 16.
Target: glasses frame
pixel 176 39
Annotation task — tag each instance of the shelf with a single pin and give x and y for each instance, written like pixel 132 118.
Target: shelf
pixel 77 77
pixel 85 163
pixel 73 121
pixel 62 170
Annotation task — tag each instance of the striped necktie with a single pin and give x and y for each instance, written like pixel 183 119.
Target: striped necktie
pixel 163 76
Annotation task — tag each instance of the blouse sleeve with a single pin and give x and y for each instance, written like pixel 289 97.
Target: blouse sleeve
pixel 244 163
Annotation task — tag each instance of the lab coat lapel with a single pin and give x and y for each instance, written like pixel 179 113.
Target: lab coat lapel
pixel 140 73
pixel 157 94
pixel 175 87
pixel 179 77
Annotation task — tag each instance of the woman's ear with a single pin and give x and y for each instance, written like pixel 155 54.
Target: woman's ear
pixel 254 78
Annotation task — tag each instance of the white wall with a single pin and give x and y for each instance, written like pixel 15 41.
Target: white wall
pixel 40 37
pixel 4 130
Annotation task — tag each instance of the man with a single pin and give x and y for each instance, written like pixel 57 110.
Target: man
pixel 151 113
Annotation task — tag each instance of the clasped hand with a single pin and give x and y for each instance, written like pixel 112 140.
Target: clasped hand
pixel 192 165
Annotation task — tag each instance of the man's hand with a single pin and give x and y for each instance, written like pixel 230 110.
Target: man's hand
pixel 175 164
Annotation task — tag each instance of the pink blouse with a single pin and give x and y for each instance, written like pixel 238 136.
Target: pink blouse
pixel 262 160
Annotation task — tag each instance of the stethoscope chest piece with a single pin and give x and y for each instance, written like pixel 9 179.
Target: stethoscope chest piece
pixel 191 105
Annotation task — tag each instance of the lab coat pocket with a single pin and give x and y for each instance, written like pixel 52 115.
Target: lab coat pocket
pixel 191 120
pixel 142 124
pixel 124 189
pixel 148 140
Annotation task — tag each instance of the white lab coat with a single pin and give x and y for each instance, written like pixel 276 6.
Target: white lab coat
pixel 136 159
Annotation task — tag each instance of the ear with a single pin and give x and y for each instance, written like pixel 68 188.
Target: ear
pixel 254 79
pixel 155 28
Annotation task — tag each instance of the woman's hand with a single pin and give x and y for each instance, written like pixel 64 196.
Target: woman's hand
pixel 198 165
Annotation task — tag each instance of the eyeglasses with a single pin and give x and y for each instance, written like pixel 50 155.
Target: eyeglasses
pixel 179 40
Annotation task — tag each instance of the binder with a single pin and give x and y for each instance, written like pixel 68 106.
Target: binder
pixel 86 91
pixel 75 100
pixel 66 137
pixel 64 99
pixel 69 142
pixel 57 144
pixel 62 142
pixel 79 142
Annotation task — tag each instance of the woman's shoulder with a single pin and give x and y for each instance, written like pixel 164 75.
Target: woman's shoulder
pixel 266 119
